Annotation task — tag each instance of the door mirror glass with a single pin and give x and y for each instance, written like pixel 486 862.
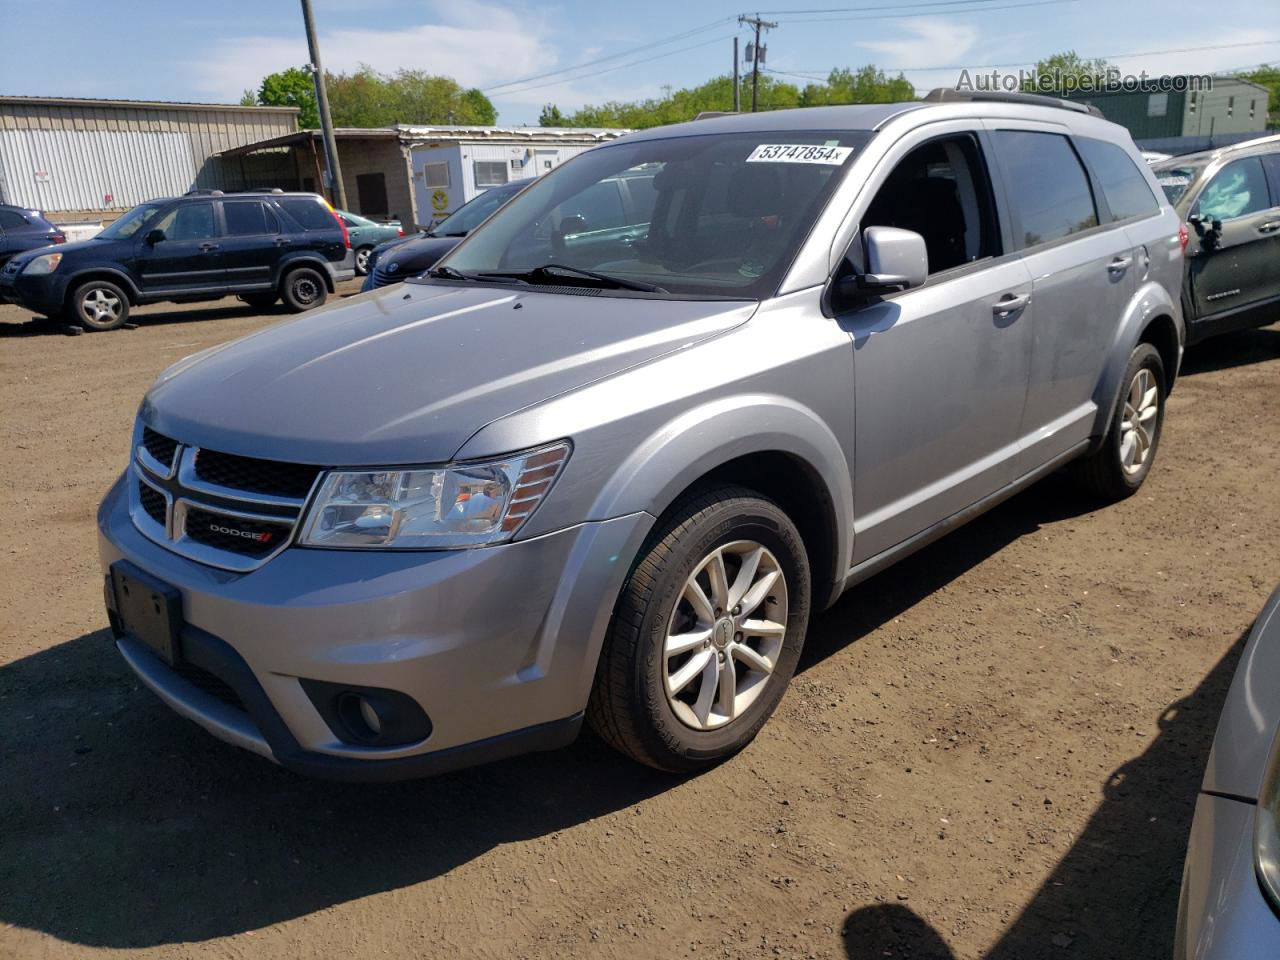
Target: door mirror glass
pixel 896 259
pixel 154 236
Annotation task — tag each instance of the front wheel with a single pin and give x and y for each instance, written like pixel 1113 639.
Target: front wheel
pixel 99 305
pixel 303 289
pixel 706 634
pixel 1117 469
pixel 362 260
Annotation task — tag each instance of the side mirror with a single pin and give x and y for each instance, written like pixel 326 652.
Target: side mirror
pixel 154 236
pixel 896 259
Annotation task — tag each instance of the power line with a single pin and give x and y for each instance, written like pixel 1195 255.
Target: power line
pixel 614 56
pixel 1025 63
pixel 620 66
pixel 929 13
pixel 890 6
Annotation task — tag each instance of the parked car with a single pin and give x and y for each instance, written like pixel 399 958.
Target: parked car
pixel 366 234
pixel 414 254
pixel 1230 198
pixel 608 469
pixel 22 229
pixel 1230 903
pixel 260 246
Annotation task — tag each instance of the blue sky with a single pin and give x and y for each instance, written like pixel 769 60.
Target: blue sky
pixel 164 50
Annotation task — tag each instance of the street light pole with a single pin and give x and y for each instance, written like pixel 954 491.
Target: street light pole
pixel 758 25
pixel 332 164
pixel 737 86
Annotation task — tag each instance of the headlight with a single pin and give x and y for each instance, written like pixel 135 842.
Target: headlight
pixel 463 505
pixel 1266 853
pixel 42 265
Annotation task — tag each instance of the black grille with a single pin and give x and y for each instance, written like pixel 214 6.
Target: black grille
pixel 159 446
pixel 206 681
pixel 152 501
pixel 382 278
pixel 255 476
pixel 252 538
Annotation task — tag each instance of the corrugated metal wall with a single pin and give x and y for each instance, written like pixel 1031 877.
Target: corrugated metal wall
pixel 66 157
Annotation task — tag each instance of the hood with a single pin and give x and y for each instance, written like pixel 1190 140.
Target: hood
pixel 26 256
pixel 415 254
pixel 406 374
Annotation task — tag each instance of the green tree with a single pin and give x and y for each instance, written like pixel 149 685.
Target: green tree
pixel 1269 77
pixel 865 85
pixel 551 117
pixel 1066 71
pixel 291 88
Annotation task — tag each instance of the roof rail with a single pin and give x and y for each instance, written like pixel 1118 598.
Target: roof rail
pixel 203 193
pixel 949 95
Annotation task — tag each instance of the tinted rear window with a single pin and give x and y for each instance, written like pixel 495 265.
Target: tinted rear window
pixel 1123 184
pixel 12 220
pixel 309 212
pixel 1047 186
pixel 247 218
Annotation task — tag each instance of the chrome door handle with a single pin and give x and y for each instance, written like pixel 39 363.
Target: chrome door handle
pixel 1271 226
pixel 206 247
pixel 1120 264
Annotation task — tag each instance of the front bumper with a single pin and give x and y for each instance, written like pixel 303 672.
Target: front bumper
pixel 43 294
pixel 498 645
pixel 1223 913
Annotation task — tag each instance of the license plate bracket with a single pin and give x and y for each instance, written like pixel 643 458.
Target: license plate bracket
pixel 148 609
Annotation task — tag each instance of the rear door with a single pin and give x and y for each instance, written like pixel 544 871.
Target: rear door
pixel 1236 267
pixel 251 244
pixel 187 258
pixel 1084 276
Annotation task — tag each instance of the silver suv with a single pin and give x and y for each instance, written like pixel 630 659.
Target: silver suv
pixel 609 456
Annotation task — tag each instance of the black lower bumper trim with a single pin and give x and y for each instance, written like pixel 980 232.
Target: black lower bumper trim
pixel 217 657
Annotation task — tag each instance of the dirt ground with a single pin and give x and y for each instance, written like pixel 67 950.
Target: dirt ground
pixel 992 750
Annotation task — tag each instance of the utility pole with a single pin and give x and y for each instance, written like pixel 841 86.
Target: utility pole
pixel 737 84
pixel 756 55
pixel 336 190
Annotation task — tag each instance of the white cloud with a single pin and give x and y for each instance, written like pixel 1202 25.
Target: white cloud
pixel 492 45
pixel 934 41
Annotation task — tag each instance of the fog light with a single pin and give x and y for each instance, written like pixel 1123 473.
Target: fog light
pixel 370 716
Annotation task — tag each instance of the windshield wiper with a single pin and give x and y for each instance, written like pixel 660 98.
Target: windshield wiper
pixel 448 273
pixel 549 271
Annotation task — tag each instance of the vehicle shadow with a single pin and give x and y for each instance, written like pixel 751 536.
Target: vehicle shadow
pixel 38 326
pixel 126 826
pixel 1115 892
pixel 1230 350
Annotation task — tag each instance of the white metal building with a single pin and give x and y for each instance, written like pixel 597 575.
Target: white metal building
pixel 452 165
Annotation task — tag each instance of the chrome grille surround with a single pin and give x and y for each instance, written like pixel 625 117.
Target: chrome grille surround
pixel 183 490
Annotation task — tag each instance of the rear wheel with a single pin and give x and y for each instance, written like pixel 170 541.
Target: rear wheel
pixel 362 260
pixel 1119 467
pixel 303 289
pixel 99 305
pixel 706 634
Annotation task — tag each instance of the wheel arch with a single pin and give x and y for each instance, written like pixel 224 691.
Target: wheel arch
pixel 293 262
pixel 118 277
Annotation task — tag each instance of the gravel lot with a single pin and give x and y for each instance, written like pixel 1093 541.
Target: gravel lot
pixel 991 750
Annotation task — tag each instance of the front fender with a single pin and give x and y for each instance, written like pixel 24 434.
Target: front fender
pixel 688 447
pixel 1150 301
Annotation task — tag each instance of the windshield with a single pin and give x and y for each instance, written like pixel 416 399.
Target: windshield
pixel 470 215
pixel 131 222
pixel 1174 178
pixel 713 215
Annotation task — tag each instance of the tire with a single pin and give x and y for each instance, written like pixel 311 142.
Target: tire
pixel 1116 470
pixel 303 289
pixel 689 730
pixel 260 301
pixel 362 261
pixel 98 305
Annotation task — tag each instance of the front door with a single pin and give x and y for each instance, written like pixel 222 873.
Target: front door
pixel 1234 267
pixel 187 258
pixel 940 372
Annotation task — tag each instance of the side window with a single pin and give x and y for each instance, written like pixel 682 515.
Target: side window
pixel 9 220
pixel 1046 185
pixel 190 221
pixel 311 213
pixel 1124 186
pixel 490 173
pixel 600 205
pixel 941 191
pixel 1238 189
pixel 1271 163
pixel 248 218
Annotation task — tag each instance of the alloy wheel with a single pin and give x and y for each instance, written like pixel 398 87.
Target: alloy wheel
pixel 100 306
pixel 1138 422
pixel 725 634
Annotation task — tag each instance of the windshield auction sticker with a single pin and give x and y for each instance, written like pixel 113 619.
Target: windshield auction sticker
pixel 799 153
